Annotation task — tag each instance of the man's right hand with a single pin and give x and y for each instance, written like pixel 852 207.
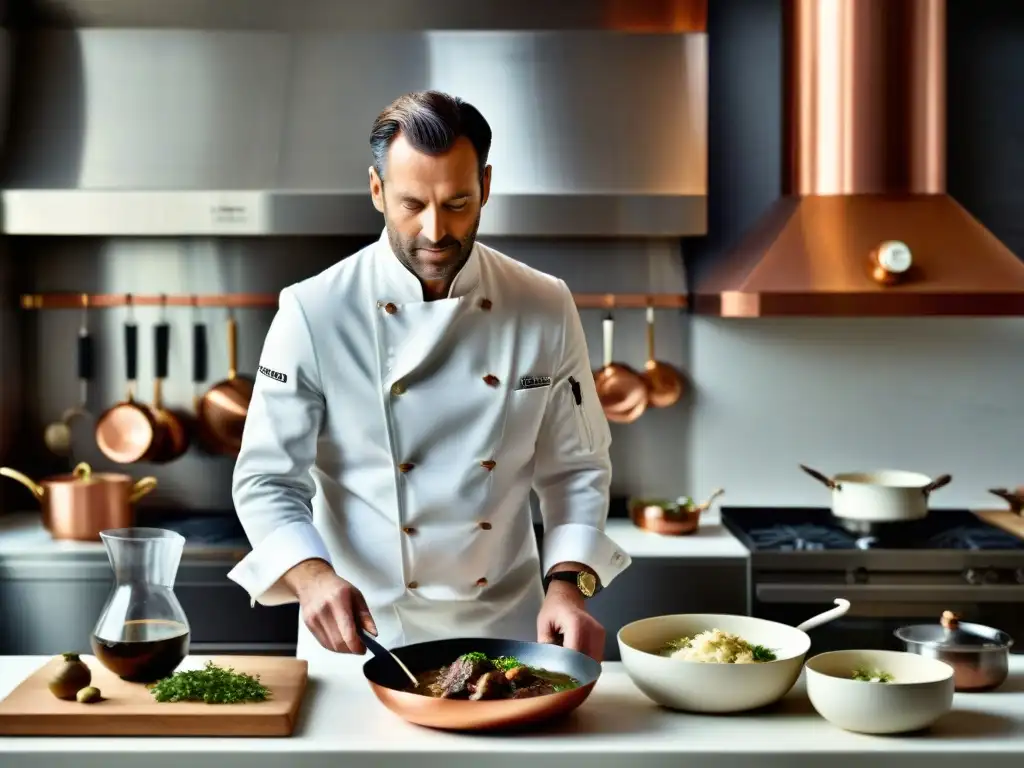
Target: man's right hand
pixel 331 607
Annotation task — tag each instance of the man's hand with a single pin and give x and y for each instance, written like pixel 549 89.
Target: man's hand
pixel 331 607
pixel 563 613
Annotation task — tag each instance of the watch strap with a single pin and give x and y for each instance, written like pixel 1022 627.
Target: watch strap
pixel 587 584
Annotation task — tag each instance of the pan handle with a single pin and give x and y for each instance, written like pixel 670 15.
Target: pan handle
pixel 608 327
pixel 232 347
pixel 937 483
pixel 842 606
pixel 131 356
pixel 832 485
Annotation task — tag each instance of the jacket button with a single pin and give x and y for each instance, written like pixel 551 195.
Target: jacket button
pixel 405 467
pixel 488 465
pixel 491 380
pixel 485 526
pixel 485 305
pixel 390 308
pixel 412 584
pixel 409 531
pixel 481 582
pixel 398 388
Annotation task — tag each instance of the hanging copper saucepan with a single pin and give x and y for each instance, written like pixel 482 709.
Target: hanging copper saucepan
pixel 173 439
pixel 665 384
pixel 621 390
pixel 222 410
pixel 79 505
pixel 494 709
pixel 126 433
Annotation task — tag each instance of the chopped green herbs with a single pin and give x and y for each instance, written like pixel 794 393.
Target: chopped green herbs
pixel 872 676
pixel 212 685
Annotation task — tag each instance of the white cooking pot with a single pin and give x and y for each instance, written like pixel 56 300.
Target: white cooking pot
pixel 882 496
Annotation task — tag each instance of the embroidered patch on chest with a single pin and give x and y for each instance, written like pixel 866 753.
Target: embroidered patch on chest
pixel 283 378
pixel 533 382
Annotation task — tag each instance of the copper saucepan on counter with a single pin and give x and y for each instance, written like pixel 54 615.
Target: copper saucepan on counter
pixel 670 518
pixel 81 504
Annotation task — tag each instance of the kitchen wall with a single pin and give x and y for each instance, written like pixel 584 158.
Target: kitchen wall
pixel 935 395
pixel 938 395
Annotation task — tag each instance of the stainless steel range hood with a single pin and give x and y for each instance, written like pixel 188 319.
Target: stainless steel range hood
pixel 245 121
pixel 865 189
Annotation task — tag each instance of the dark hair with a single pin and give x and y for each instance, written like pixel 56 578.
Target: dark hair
pixel 431 122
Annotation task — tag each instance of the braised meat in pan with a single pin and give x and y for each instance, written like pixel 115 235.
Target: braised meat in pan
pixel 475 677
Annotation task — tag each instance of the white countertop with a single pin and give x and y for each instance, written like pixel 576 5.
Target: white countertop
pixel 22 535
pixel 343 724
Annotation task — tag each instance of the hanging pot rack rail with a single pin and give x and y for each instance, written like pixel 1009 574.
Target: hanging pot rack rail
pixel 71 300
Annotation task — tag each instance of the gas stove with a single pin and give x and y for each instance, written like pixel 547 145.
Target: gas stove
pixel 813 529
pixel 801 559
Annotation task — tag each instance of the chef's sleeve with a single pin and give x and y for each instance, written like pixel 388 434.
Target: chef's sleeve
pixel 573 471
pixel 272 487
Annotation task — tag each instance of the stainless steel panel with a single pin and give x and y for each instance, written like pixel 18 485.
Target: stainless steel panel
pixel 362 15
pixel 877 593
pixel 594 133
pixel 143 213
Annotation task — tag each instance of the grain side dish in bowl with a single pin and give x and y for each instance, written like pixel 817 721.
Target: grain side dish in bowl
pixel 879 692
pixel 712 663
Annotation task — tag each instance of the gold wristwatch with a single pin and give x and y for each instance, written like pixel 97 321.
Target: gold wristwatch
pixel 585 581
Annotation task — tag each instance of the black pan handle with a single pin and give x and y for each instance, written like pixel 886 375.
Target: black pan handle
pixel 162 345
pixel 131 351
pixel 200 353
pixel 86 356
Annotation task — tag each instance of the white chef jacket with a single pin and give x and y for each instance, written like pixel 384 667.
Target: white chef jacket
pixel 398 439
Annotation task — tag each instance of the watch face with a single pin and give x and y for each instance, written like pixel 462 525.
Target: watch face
pixel 587 583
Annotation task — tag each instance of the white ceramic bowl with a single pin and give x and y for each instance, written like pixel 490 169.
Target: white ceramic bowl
pixel 711 688
pixel 921 693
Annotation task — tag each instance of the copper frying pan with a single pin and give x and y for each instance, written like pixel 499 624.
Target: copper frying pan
pixel 391 686
pixel 126 432
pixel 222 410
pixel 621 390
pixel 174 440
pixel 665 384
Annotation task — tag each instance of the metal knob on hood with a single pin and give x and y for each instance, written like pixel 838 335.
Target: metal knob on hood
pixel 890 262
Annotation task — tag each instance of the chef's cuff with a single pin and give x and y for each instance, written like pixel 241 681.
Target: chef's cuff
pixel 259 573
pixel 577 543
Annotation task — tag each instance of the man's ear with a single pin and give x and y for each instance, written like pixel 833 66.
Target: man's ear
pixel 376 190
pixel 485 191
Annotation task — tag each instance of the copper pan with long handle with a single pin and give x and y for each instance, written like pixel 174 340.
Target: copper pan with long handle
pixel 665 384
pixel 223 408
pixel 621 390
pixel 174 438
pixel 394 690
pixel 126 432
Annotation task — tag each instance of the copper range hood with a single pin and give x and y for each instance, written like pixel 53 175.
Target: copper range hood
pixel 865 226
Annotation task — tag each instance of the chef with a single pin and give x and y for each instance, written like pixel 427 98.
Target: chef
pixel 407 400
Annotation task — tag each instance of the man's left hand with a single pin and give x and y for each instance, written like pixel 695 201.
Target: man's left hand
pixel 563 614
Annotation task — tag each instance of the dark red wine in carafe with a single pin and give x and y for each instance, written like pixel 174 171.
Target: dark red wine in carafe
pixel 147 650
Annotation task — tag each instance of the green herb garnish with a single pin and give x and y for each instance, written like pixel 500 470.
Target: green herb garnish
pixel 212 685
pixel 675 645
pixel 872 676
pixel 762 654
pixel 505 663
pixel 474 656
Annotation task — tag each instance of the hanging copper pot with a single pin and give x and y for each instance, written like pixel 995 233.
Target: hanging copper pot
pixel 621 390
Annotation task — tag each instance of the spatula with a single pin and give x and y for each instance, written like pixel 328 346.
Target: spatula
pixel 380 651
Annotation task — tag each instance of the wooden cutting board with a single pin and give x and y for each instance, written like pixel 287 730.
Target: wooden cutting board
pixel 1009 521
pixel 129 709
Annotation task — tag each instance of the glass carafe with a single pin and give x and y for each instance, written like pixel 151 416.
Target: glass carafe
pixel 142 635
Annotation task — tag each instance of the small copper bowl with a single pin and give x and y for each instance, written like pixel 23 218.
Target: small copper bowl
pixel 669 518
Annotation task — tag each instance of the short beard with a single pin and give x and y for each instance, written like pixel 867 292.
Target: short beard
pixel 405 252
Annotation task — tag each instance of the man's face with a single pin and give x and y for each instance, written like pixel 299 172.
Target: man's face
pixel 431 205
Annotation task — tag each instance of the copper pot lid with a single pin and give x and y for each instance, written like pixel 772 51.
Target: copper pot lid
pixel 954 635
pixel 82 473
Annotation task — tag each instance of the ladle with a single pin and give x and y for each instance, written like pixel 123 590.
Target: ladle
pixel 621 390
pixel 381 652
pixel 665 384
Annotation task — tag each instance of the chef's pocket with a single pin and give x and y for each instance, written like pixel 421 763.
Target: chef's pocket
pixel 523 417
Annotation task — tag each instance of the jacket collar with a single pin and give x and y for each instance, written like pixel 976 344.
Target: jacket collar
pixel 404 287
